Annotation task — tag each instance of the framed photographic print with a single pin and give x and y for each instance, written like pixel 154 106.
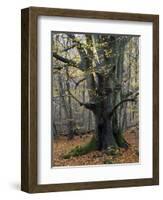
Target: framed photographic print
pixel 90 99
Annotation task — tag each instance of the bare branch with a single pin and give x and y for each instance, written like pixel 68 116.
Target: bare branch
pixel 65 60
pixel 68 48
pixel 57 68
pixel 77 100
pixel 72 63
pixel 81 80
pixel 131 93
pixel 89 105
pixel 121 102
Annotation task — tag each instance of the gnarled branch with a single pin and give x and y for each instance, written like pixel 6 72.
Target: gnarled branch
pixel 65 60
pixel 121 102
pixel 68 48
pixel 70 62
pixel 81 80
pixel 77 100
pixel 89 105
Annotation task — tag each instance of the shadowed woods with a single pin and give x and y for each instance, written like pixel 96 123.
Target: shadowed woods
pixel 95 90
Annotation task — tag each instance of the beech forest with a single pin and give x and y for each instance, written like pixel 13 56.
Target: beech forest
pixel 95 99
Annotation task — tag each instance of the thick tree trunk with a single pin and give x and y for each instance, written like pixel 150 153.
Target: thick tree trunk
pixel 104 133
pixel 104 129
pixel 107 132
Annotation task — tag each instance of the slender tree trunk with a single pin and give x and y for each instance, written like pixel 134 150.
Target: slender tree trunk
pixel 64 103
pixel 70 117
pixel 89 121
pixel 54 129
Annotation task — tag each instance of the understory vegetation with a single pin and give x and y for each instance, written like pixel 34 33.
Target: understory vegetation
pixel 82 150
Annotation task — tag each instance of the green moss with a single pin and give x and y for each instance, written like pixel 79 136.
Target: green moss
pixel 108 162
pixel 120 140
pixel 82 150
pixel 112 151
pixel 67 156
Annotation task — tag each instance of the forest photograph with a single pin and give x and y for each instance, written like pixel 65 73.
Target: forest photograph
pixel 95 99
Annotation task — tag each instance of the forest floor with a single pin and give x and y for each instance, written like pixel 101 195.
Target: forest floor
pixel 62 146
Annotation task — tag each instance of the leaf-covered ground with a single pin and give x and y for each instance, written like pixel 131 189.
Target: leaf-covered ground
pixel 62 146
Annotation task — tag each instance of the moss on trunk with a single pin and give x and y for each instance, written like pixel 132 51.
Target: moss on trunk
pixel 120 140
